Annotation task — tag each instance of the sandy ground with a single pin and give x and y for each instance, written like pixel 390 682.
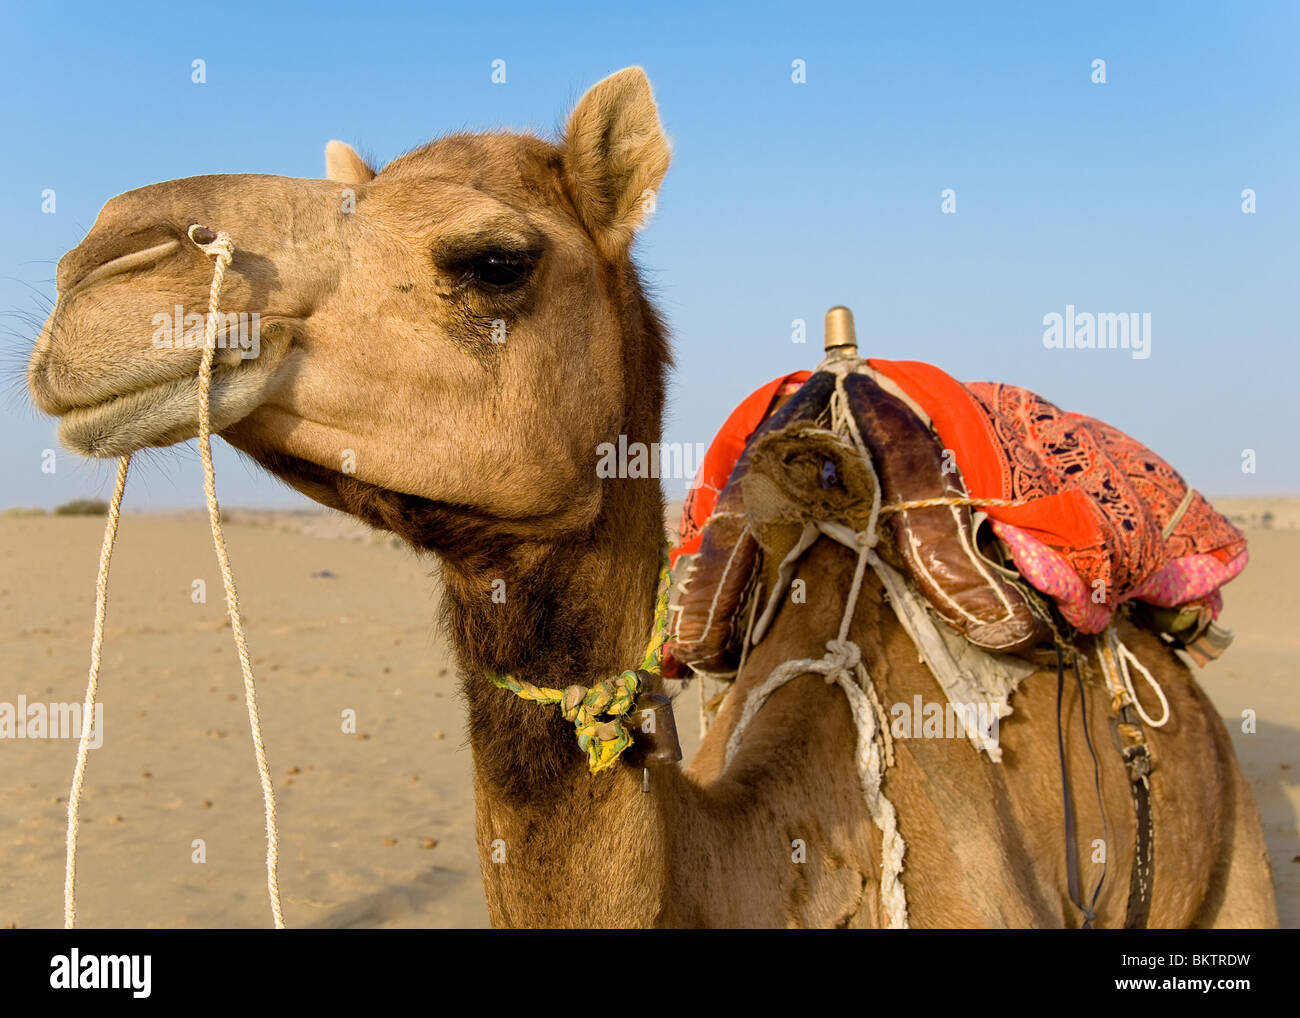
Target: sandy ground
pixel 376 827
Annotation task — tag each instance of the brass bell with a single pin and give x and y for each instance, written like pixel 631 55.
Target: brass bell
pixel 654 731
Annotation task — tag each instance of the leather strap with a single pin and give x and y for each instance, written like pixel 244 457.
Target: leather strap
pixel 1071 848
pixel 1137 760
pixel 1132 744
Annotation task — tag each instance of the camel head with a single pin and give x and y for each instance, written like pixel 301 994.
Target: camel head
pixel 459 330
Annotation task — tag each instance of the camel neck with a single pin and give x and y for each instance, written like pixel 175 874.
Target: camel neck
pixel 553 614
pixel 572 609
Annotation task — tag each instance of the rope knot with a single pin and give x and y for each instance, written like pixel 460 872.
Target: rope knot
pixel 597 712
pixel 843 656
pixel 598 718
pixel 212 243
pixel 845 651
pixel 867 538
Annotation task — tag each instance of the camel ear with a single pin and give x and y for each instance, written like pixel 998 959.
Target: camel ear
pixel 616 156
pixel 344 166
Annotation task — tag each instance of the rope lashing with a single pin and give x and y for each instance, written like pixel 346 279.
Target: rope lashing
pixel 842 666
pixel 598 712
pixel 931 503
pixel 222 250
pixel 842 663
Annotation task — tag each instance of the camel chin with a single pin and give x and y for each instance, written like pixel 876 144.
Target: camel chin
pixel 167 413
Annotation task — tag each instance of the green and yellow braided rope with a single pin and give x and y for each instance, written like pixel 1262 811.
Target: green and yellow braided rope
pixel 598 712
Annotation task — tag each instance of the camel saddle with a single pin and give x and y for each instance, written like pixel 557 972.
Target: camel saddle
pixel 1081 519
pixel 934 546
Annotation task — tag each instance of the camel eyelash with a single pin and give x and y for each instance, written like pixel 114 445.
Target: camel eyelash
pixel 494 271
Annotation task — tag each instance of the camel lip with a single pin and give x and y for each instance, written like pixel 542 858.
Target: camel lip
pixel 223 364
pixel 219 371
pixel 56 392
pixel 166 412
pixel 113 427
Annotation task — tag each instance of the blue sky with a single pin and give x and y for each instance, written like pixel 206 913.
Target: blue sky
pixel 783 198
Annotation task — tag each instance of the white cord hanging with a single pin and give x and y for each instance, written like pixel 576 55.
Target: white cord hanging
pixel 222 250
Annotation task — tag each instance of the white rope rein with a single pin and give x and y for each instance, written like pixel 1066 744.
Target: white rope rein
pixel 842 665
pixel 1127 657
pixel 1121 658
pixel 222 250
pixel 92 691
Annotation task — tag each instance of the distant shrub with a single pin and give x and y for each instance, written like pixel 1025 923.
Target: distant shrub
pixel 22 512
pixel 82 507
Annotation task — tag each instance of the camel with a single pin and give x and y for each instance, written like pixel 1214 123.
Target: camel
pixel 444 345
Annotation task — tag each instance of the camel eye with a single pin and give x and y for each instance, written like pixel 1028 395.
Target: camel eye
pixel 498 270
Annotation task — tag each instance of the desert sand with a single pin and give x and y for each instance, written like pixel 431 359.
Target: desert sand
pixel 376 826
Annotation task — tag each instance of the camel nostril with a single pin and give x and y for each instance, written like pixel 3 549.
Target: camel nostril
pixel 201 234
pixel 94 266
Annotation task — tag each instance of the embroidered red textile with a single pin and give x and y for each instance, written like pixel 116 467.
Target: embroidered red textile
pixel 1097 498
pixel 1091 534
